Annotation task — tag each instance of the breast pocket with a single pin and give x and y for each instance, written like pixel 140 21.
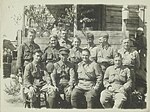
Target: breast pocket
pixel 59 70
pixel 26 52
pixel 123 77
pixel 112 77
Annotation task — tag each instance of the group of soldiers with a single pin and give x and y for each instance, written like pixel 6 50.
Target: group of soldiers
pixel 68 72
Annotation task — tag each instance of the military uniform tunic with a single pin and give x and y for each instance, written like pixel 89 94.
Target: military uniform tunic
pixel 63 74
pixel 36 76
pixel 130 57
pixel 50 56
pixel 25 54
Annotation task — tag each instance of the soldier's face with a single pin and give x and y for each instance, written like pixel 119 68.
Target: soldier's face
pixel 90 40
pixel 53 42
pixel 31 37
pixel 63 57
pixel 37 57
pixel 76 43
pixel 139 33
pixel 85 56
pixel 63 34
pixel 102 40
pixel 117 61
pixel 126 43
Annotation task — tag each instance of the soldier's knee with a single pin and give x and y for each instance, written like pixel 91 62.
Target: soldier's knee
pixel 103 97
pixel 74 94
pixel 90 96
pixel 120 97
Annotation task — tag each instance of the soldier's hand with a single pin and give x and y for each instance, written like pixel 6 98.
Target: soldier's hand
pixel 56 88
pixel 111 89
pixel 68 91
pixel 31 91
pixel 20 80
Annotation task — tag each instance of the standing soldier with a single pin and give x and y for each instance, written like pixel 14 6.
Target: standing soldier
pixel 89 81
pixel 25 51
pixel 51 53
pixel 75 52
pixel 105 52
pixel 91 46
pixel 117 81
pixel 64 41
pixel 63 77
pixel 130 58
pixel 36 78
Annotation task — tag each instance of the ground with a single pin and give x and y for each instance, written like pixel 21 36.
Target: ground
pixel 10 100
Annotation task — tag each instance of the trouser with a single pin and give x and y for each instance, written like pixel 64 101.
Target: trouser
pixel 37 97
pixel 108 97
pixel 133 77
pixel 78 94
pixel 61 98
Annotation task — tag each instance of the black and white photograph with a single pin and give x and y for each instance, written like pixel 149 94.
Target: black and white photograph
pixel 57 56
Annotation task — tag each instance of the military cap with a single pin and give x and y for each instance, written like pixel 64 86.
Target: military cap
pixel 64 50
pixel 104 35
pixel 37 51
pixel 90 35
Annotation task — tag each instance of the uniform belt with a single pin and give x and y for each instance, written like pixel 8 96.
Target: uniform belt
pixel 28 60
pixel 86 79
pixel 130 66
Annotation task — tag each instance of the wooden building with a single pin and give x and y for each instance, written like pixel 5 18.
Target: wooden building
pixel 117 20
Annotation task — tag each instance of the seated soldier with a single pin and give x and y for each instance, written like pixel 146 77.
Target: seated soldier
pixel 63 78
pixel 89 81
pixel 35 79
pixel 117 81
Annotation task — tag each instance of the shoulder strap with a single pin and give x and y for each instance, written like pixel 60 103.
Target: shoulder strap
pixel 87 73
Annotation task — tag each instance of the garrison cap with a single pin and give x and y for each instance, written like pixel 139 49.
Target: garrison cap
pixel 37 51
pixel 64 50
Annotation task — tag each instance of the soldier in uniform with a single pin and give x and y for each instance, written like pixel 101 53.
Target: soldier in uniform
pixel 63 78
pixel 35 78
pixel 105 52
pixel 130 58
pixel 117 81
pixel 89 81
pixel 75 52
pixel 25 51
pixel 51 53
pixel 91 46
pixel 64 41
